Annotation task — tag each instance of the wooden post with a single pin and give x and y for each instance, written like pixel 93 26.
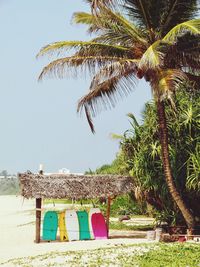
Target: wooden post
pixel 38 213
pixel 38 219
pixel 108 213
pixel 189 234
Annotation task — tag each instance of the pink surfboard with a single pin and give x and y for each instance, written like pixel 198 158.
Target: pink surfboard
pixel 99 226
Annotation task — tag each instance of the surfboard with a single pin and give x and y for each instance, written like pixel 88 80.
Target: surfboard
pixel 62 227
pixel 83 225
pixel 50 226
pixel 92 211
pixel 72 225
pixel 99 226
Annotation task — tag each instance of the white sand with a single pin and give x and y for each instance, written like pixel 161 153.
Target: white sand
pixel 17 233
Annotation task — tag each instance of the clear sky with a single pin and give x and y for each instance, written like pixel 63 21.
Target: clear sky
pixel 39 123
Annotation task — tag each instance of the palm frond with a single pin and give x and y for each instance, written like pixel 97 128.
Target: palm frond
pixel 96 5
pixel 95 24
pixel 147 13
pixel 194 80
pixel 191 26
pixel 169 81
pixel 175 12
pixel 89 119
pixel 115 136
pixel 112 69
pixel 154 55
pixel 188 62
pixel 193 170
pixel 118 19
pixel 87 19
pixel 108 19
pixel 138 11
pixel 89 48
pixel 61 67
pixel 107 93
pixel 83 18
pixel 114 26
pixel 134 123
pixel 184 53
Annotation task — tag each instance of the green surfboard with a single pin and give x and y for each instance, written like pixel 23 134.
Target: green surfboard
pixel 50 226
pixel 83 225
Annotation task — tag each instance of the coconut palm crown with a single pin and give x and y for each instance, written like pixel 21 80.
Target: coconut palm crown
pixel 134 39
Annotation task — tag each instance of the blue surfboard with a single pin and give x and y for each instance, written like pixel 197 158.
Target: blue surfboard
pixel 83 225
pixel 50 226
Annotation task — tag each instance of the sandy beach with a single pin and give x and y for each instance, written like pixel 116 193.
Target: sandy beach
pixel 17 233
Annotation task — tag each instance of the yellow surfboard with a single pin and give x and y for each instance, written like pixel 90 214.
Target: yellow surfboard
pixel 62 227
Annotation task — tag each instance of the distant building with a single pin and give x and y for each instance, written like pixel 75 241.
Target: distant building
pixel 8 177
pixel 63 171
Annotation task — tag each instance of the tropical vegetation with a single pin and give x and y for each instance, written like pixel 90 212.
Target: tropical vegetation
pixel 135 39
pixel 140 157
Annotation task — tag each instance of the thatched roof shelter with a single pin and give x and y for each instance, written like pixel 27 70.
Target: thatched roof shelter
pixel 73 186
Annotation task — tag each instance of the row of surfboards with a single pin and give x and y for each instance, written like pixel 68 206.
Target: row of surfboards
pixel 74 225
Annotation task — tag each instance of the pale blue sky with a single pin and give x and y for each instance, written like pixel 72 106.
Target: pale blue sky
pixel 39 123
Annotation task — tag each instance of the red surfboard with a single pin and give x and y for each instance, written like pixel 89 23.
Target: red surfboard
pixel 99 226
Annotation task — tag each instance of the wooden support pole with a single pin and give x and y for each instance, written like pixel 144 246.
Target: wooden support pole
pixel 38 219
pixel 190 234
pixel 108 213
pixel 38 213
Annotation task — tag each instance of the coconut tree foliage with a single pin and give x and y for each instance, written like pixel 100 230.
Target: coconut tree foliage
pixel 140 156
pixel 141 151
pixel 134 39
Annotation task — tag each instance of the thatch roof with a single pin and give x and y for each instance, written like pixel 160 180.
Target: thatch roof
pixel 72 186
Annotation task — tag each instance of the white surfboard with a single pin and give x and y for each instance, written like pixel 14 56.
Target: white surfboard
pixel 92 211
pixel 72 225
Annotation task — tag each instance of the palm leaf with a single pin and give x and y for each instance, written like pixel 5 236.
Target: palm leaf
pixel 115 136
pixel 193 170
pixel 179 59
pixel 194 79
pixel 95 4
pixel 176 12
pixel 147 13
pixel 134 123
pixel 190 62
pixel 113 21
pixel 62 66
pixel 111 70
pixel 107 93
pixel 154 55
pixel 139 10
pixel 88 48
pixel 83 18
pixel 86 19
pixel 184 53
pixel 109 19
pixel 113 27
pixel 191 26
pixel 114 24
pixel 169 81
pixel 121 21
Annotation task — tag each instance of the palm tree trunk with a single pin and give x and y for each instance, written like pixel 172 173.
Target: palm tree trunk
pixel 167 168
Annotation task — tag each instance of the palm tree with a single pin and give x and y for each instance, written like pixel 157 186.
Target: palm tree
pixel 142 154
pixel 134 39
